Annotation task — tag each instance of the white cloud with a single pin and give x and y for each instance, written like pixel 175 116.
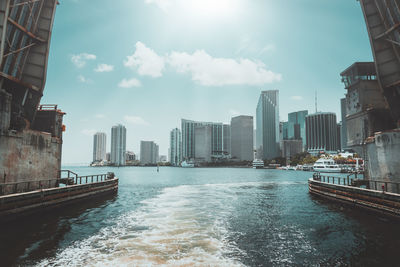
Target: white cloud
pixel 211 71
pixel 83 79
pixel 99 116
pixel 268 48
pixel 129 83
pixel 104 68
pixel 88 132
pixel 204 69
pixel 233 112
pixel 135 120
pixel 146 61
pixel 80 59
pixel 163 4
pixel 296 97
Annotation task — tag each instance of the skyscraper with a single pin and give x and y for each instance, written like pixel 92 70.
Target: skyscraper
pixel 118 145
pixel 242 137
pixel 203 143
pixel 99 146
pixel 321 133
pixel 267 125
pixel 343 132
pixel 175 147
pixel 188 138
pixel 148 152
pixel 226 139
pixel 297 125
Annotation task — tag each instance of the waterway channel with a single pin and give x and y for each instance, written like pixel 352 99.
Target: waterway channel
pixel 202 217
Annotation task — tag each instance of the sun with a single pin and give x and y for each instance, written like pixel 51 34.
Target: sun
pixel 211 8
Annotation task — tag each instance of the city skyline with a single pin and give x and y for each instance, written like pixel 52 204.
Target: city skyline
pixel 98 89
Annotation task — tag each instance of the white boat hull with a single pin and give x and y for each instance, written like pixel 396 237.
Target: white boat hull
pixel 328 170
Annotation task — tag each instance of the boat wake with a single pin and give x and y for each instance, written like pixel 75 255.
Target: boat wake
pixel 182 226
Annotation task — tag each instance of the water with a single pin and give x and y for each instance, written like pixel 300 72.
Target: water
pixel 202 217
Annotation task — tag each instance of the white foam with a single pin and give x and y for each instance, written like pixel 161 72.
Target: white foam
pixel 183 226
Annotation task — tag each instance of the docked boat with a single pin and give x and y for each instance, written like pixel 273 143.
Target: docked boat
pixel 326 165
pixel 187 164
pixel 258 164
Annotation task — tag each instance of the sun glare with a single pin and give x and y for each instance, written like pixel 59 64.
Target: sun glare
pixel 211 8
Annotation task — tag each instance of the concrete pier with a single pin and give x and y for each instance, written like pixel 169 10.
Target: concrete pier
pixel 16 205
pixel 376 201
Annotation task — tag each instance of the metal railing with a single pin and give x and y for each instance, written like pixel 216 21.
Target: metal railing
pixel 47 107
pixel 378 185
pixel 72 179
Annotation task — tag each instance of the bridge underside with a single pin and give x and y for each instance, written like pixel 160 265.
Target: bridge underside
pixel 383 23
pixel 25 31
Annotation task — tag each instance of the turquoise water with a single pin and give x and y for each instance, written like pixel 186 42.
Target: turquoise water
pixel 202 217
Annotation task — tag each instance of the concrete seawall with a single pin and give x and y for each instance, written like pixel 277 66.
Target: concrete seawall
pixel 383 203
pixel 20 204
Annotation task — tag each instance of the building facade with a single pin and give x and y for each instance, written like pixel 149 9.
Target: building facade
pixel 297 125
pixel 148 153
pixel 226 139
pixel 343 132
pixel 203 143
pixel 242 138
pixel 188 138
pixel 321 133
pixel 99 147
pixel 130 156
pixel 291 148
pixel 118 145
pixel 175 147
pixel 267 125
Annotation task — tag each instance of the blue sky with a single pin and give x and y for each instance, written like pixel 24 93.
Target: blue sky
pixel 149 63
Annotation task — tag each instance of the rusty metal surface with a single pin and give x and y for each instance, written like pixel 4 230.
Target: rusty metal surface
pixel 380 202
pixel 382 19
pixel 28 202
pixel 25 33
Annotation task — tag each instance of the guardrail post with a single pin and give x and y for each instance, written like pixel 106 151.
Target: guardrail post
pixel 376 188
pixel 386 187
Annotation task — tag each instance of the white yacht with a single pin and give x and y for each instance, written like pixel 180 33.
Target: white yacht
pixel 258 164
pixel 187 164
pixel 326 165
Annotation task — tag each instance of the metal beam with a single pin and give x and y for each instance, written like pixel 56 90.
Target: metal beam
pixel 24 84
pixel 19 50
pixel 26 31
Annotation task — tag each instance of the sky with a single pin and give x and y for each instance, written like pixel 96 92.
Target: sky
pixel 149 63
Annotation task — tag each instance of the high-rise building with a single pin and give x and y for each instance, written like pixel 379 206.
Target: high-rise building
pixel 242 137
pixel 99 147
pixel 118 145
pixel 130 156
pixel 175 147
pixel 188 138
pixel 291 147
pixel 203 143
pixel 226 139
pixel 343 132
pixel 297 125
pixel 321 133
pixel 267 125
pixel 148 152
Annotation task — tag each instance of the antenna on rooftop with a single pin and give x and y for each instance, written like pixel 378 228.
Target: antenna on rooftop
pixel 316 105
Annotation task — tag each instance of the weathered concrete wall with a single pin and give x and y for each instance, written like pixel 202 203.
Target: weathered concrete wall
pixel 383 160
pixel 5 110
pixel 29 156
